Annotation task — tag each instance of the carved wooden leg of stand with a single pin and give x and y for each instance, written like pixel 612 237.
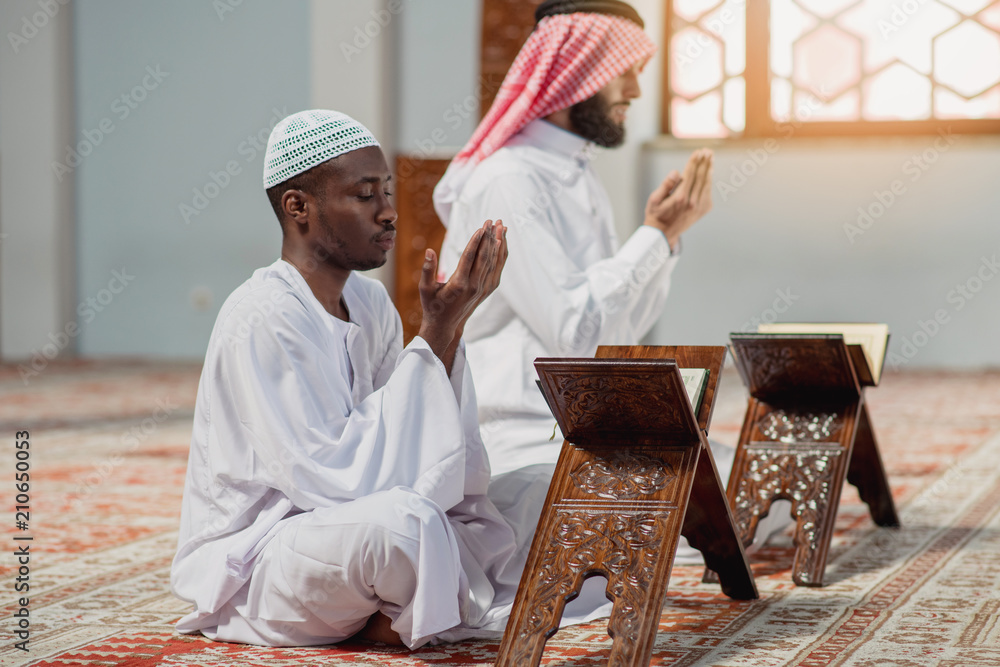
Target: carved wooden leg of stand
pixel 867 473
pixel 722 550
pixel 811 477
pixel 630 548
pixel 638 586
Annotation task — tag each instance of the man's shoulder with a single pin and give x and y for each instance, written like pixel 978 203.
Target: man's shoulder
pixel 267 296
pixel 513 165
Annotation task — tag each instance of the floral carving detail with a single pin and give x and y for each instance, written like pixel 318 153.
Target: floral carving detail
pixel 596 403
pixel 626 475
pixel 624 545
pixel 782 426
pixel 787 367
pixel 805 477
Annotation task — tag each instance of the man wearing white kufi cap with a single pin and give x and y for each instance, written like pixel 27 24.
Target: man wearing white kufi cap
pixel 337 481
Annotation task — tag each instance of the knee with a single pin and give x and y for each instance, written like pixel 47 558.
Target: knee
pixel 410 515
pixel 410 530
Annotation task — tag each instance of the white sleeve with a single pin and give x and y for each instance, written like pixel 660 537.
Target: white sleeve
pixel 283 405
pixel 572 309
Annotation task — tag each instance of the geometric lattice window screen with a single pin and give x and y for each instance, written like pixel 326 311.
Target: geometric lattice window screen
pixel 707 63
pixel 885 59
pixel 839 60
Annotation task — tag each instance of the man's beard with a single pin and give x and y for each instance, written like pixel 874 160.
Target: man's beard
pixel 591 119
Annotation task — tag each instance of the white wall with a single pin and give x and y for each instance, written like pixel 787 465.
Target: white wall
pixel 225 73
pixel 351 53
pixel 437 76
pixel 782 230
pixel 789 235
pixel 353 60
pixel 37 297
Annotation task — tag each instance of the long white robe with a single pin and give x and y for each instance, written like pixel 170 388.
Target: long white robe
pixel 334 473
pixel 567 287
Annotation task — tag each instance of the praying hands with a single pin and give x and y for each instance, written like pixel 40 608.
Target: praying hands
pixel 448 305
pixel 679 202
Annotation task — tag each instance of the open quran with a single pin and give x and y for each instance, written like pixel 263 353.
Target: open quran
pixel 866 342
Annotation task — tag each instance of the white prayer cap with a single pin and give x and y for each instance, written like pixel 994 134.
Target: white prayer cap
pixel 308 138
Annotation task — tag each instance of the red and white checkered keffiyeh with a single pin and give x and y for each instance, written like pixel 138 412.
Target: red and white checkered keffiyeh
pixel 567 59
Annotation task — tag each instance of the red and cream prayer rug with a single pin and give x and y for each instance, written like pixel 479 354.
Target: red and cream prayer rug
pixel 108 448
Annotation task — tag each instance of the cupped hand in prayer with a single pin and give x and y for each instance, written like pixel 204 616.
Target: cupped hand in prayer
pixel 448 305
pixel 679 201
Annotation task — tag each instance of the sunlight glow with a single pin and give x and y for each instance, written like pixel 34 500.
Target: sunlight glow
pixel 950 105
pixel 690 10
pixel 897 92
pixel 707 61
pixel 839 60
pixel 961 57
pixel 698 119
pixel 697 67
pixel 734 108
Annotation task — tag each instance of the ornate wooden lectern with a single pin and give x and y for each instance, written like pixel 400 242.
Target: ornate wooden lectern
pixel 806 429
pixel 633 475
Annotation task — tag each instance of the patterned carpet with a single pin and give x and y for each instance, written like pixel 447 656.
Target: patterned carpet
pixel 108 447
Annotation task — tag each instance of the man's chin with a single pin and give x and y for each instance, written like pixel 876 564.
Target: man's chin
pixel 611 140
pixel 372 264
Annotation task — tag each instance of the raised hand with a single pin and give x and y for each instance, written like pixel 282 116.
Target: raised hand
pixel 448 305
pixel 679 201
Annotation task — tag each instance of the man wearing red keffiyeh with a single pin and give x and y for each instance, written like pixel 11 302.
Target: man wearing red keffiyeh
pixel 568 285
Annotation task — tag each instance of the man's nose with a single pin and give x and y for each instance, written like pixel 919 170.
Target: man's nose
pixel 387 214
pixel 632 89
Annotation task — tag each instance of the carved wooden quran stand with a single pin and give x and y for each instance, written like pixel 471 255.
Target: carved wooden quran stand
pixel 634 474
pixel 806 429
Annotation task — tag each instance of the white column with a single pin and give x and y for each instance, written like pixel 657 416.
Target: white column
pixel 352 53
pixel 37 257
pixel 621 169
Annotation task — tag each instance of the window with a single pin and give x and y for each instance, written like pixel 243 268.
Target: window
pixel 749 68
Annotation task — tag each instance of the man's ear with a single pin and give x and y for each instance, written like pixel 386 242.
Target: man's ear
pixel 295 206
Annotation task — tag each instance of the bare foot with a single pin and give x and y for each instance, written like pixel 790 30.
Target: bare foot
pixel 378 630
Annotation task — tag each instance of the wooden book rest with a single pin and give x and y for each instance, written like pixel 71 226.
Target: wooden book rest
pixel 806 430
pixel 633 475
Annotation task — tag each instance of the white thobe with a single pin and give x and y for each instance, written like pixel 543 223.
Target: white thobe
pixel 332 474
pixel 567 287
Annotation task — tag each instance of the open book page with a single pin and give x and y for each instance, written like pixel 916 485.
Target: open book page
pixel 695 380
pixel 873 338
